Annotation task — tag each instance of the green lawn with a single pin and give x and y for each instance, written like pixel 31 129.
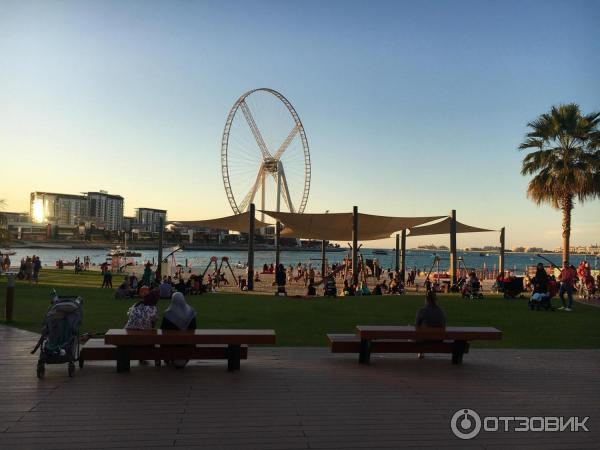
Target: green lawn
pixel 302 322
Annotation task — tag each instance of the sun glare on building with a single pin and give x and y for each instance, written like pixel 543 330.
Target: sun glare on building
pixel 38 211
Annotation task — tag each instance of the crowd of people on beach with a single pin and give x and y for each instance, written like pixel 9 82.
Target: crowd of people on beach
pixel 545 284
pixel 29 268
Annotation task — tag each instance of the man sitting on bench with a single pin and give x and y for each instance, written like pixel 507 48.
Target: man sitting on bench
pixel 431 315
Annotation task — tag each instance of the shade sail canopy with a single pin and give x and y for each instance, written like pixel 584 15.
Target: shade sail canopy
pixel 237 222
pixel 443 227
pixel 338 226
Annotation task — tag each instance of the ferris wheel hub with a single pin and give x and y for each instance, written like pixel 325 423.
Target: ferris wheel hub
pixel 271 165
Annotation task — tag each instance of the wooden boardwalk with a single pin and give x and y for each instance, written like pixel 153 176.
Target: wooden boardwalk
pixel 294 398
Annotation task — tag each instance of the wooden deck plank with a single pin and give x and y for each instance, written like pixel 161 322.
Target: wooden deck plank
pixel 288 398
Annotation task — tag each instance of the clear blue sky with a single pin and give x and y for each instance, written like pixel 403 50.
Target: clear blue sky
pixel 410 108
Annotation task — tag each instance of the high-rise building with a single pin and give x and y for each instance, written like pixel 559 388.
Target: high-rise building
pixel 58 209
pixel 105 209
pixel 148 219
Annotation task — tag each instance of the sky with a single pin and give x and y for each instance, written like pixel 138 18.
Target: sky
pixel 410 108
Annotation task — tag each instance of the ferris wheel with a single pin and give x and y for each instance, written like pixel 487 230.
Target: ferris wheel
pixel 265 148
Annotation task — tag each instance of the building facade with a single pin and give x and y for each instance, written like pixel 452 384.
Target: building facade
pixel 106 210
pixel 148 219
pixel 58 209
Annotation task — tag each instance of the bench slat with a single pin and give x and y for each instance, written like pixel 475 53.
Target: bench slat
pixel 173 337
pixel 422 333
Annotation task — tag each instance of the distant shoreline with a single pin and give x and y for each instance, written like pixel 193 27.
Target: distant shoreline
pixel 258 248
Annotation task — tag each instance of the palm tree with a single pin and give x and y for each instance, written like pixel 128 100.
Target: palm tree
pixel 565 162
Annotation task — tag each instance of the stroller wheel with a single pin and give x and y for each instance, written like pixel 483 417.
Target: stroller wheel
pixel 41 369
pixel 71 369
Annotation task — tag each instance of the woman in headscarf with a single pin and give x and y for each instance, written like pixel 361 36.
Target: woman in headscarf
pixel 178 316
pixel 143 315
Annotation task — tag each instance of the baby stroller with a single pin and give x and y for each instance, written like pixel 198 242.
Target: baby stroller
pixel 59 342
pixel 539 301
pixel 512 288
pixel 330 289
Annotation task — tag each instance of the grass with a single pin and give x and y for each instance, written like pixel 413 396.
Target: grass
pixel 304 322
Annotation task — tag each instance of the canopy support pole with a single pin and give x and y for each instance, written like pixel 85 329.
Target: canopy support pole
pixel 453 248
pixel 277 227
pixel 355 245
pixel 397 265
pixel 323 260
pixel 403 256
pixel 502 246
pixel 161 228
pixel 262 196
pixel 251 248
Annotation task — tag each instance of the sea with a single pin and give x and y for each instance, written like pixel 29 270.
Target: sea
pixel 420 259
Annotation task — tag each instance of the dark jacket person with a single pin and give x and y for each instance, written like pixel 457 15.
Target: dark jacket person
pixel 431 315
pixel 540 280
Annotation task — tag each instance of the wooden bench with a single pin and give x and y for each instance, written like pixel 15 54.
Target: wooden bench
pixel 409 339
pixel 127 345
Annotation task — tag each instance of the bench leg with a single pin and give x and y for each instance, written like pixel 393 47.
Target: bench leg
pixel 364 357
pixel 458 351
pixel 123 362
pixel 234 354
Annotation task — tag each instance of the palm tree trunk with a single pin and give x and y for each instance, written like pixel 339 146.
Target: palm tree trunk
pixel 567 207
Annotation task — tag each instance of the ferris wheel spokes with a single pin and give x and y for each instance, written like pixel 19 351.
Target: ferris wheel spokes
pixel 249 198
pixel 285 144
pixel 255 131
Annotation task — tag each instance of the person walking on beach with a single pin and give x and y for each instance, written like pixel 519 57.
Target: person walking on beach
pixel 107 279
pixel 147 276
pixel 567 279
pixel 280 279
pixel 29 269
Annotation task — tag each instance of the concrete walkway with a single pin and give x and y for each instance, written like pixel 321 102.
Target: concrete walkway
pixel 295 398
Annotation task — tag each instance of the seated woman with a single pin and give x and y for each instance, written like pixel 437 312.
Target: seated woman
pixel 431 315
pixel 165 289
pixel 311 291
pixel 123 290
pixel 133 282
pixel 178 316
pixel 364 289
pixel 143 314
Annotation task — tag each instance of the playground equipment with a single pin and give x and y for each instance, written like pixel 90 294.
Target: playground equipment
pixel 217 272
